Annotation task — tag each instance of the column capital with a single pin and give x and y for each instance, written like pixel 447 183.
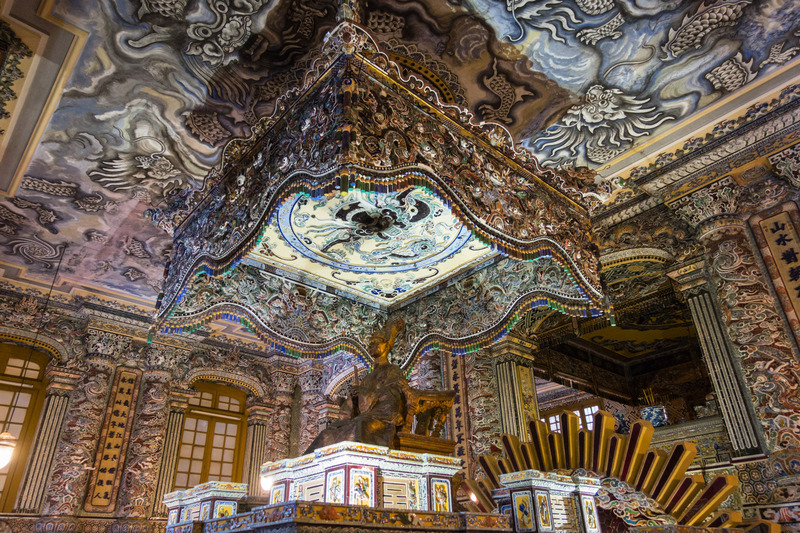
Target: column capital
pixel 61 379
pixel 258 413
pixel 690 276
pixel 711 207
pixel 179 398
pixel 513 346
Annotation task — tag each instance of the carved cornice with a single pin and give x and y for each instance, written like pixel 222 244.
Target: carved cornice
pixel 179 398
pixel 634 254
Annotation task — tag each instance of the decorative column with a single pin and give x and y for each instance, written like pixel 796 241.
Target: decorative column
pixel 485 426
pixel 515 386
pixel 311 384
pixel 178 402
pixel 281 419
pixel 255 453
pixel 77 446
pixel 139 482
pixel 729 388
pixel 762 352
pixel 61 383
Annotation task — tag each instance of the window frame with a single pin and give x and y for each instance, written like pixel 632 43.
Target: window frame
pixel 213 416
pixel 571 408
pixel 30 424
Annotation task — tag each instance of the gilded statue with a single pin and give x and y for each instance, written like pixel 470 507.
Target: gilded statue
pixel 384 404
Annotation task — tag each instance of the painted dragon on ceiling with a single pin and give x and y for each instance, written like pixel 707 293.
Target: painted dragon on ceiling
pixel 161 85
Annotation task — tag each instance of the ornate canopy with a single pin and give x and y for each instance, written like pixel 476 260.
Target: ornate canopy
pixel 363 196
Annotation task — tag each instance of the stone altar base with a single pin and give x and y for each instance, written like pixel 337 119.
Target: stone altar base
pixel 214 499
pixel 351 473
pixel 546 501
pixel 308 517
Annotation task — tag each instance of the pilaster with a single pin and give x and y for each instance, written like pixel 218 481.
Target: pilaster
pixel 178 402
pixel 515 385
pixel 312 399
pixel 255 454
pixel 740 322
pixel 732 399
pixel 61 383
pixel 280 423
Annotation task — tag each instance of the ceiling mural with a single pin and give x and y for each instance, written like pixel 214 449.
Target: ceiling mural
pixel 161 86
pixel 382 249
pixel 640 65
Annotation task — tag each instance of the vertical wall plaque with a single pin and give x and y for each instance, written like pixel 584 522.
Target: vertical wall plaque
pixel 776 233
pixel 113 442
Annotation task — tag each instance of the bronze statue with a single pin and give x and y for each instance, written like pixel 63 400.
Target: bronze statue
pixel 385 404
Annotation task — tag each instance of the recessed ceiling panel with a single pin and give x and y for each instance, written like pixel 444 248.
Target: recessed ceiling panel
pixel 384 248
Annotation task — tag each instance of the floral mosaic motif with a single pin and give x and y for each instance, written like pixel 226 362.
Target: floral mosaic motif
pixel 523 511
pixel 718 199
pixel 441 496
pixel 544 515
pixel 361 487
pixel 334 491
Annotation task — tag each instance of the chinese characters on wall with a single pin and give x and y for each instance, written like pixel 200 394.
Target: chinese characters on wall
pixel 113 441
pixel 784 244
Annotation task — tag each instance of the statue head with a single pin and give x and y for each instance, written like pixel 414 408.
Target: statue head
pixel 382 340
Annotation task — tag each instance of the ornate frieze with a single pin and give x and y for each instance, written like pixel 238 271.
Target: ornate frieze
pixel 108 344
pixel 713 202
pixel 656 229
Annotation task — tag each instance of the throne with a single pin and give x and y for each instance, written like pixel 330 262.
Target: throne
pixel 426 413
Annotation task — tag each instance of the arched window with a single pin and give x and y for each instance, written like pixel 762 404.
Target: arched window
pixel 213 437
pixel 21 384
